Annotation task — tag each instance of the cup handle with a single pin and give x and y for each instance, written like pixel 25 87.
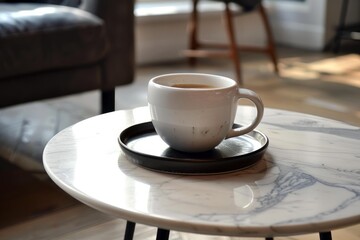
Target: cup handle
pixel 252 96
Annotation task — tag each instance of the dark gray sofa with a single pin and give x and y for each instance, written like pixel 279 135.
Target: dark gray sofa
pixel 49 50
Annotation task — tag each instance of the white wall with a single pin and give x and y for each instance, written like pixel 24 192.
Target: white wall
pixel 310 25
pixel 163 37
pixel 300 24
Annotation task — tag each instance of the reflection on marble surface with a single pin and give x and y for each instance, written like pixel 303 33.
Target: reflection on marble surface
pixel 308 180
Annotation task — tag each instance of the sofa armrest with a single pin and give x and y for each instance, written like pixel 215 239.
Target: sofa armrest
pixel 119 20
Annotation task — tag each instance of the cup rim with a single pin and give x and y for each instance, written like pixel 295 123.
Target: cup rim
pixel 230 83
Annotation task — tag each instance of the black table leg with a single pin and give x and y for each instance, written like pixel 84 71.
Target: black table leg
pixel 129 231
pixel 162 234
pixel 269 238
pixel 325 236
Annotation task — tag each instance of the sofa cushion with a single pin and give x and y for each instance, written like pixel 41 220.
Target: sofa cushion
pixel 71 3
pixel 37 37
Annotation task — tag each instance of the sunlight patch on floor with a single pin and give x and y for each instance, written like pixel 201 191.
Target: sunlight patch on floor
pixel 339 69
pixel 298 73
pixel 336 65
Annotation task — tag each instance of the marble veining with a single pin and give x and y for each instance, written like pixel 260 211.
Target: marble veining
pixel 308 180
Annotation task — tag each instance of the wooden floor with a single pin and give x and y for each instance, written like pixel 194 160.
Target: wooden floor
pixel 316 83
pixel 83 223
pixel 24 197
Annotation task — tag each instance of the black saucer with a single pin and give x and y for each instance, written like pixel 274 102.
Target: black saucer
pixel 148 150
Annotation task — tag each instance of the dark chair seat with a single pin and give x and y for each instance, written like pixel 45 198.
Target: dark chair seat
pixel 246 5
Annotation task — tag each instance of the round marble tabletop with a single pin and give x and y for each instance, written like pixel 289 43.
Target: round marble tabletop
pixel 308 181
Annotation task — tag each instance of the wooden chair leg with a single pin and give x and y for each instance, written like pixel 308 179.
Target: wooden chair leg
pixel 270 41
pixel 193 31
pixel 234 53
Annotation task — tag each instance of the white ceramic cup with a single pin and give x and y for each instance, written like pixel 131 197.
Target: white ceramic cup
pixel 197 119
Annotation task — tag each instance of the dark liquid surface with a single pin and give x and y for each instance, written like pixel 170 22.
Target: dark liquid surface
pixel 191 85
